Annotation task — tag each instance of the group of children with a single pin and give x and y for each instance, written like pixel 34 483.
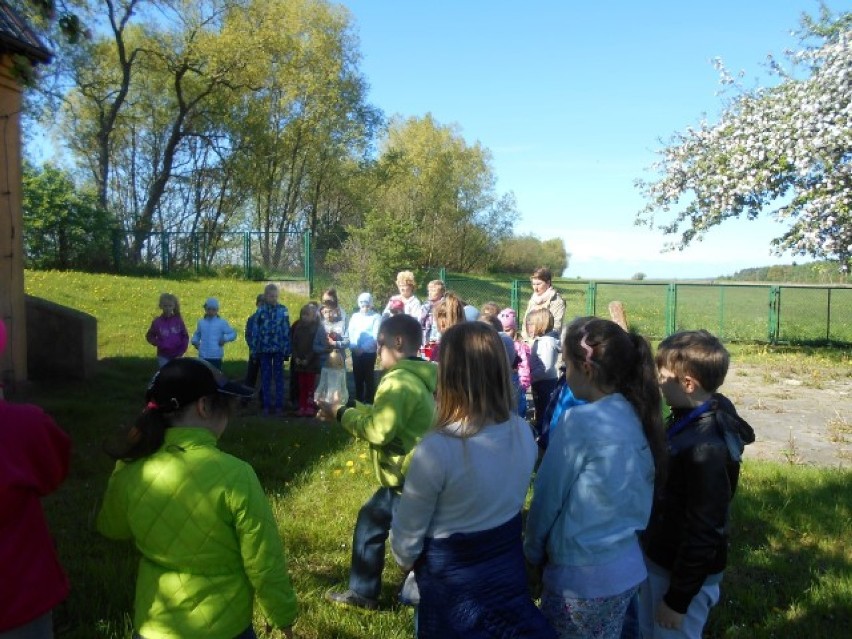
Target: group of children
pixel 628 513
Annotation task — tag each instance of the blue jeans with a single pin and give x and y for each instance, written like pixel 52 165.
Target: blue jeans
pixel 368 543
pixel 522 394
pixel 364 372
pixel 271 370
pixel 216 363
pixel 542 390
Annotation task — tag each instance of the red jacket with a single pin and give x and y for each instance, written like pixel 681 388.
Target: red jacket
pixel 34 456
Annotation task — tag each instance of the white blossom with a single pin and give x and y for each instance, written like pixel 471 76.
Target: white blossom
pixel 784 150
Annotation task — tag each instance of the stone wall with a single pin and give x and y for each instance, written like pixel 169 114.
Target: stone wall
pixel 62 343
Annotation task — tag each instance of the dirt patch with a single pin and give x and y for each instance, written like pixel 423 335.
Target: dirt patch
pixel 797 418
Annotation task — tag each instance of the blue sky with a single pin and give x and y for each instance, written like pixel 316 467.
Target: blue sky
pixel 572 99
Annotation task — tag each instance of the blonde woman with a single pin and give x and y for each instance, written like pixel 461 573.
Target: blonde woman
pixel 406 284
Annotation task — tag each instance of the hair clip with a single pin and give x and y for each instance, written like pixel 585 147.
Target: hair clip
pixel 151 406
pixel 588 349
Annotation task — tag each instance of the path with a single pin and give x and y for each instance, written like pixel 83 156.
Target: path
pixel 798 417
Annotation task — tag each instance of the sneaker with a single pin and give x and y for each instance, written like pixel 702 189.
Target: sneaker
pixel 351 598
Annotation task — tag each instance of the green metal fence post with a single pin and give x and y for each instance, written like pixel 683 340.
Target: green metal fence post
pixel 671 309
pixel 247 254
pixel 442 274
pixel 309 270
pixel 828 319
pixel 774 314
pixel 591 298
pixel 164 252
pixel 515 297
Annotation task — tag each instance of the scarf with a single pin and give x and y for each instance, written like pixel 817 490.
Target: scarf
pixel 544 298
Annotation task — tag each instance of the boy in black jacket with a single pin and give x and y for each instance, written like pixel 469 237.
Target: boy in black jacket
pixel 686 541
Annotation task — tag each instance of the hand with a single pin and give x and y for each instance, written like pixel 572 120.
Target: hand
pixel 221 342
pixel 327 411
pixel 534 575
pixel 668 618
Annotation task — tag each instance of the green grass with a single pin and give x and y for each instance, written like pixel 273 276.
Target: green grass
pixel 790 572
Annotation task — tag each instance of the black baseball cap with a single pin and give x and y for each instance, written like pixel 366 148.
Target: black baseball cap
pixel 185 380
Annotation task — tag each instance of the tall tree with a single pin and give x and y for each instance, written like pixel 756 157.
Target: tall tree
pixel 788 146
pixel 447 187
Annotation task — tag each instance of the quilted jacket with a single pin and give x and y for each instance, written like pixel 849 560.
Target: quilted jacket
pixel 402 412
pixel 209 543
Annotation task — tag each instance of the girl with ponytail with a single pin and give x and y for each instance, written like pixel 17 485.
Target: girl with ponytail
pixel 594 490
pixel 198 516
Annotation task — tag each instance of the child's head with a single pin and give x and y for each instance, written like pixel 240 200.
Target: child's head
pixel 396 306
pixel 270 293
pixel 473 377
pixel 489 309
pixel 365 302
pixel 211 307
pixel 435 290
pixel 539 322
pixel 329 298
pixel 399 338
pixel 308 313
pixel 186 392
pixel 448 312
pixel 329 313
pixel 405 283
pixel 260 299
pixel 491 321
pixel 698 355
pixel 509 321
pixel 602 358
pixel 169 304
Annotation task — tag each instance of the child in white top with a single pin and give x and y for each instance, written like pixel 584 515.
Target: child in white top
pixel 544 360
pixel 363 333
pixel 458 522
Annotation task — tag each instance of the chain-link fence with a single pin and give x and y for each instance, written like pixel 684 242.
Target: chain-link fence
pixel 252 254
pixel 734 312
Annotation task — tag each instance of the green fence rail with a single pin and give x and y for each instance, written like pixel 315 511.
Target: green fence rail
pixel 735 312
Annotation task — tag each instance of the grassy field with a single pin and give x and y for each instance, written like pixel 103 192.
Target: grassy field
pixel 790 572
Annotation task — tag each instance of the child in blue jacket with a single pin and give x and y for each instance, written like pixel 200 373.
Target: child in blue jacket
pixel 212 333
pixel 271 345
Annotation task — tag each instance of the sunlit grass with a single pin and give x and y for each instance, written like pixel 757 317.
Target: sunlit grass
pixel 790 568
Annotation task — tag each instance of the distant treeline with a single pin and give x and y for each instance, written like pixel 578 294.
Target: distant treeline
pixel 823 272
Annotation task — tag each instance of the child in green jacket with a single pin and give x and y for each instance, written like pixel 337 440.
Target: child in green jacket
pixel 401 413
pixel 209 542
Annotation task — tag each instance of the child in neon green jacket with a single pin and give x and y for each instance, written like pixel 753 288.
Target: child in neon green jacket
pixel 209 542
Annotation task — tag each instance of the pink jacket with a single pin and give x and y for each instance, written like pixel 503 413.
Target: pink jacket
pixel 524 374
pixel 169 335
pixel 34 458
